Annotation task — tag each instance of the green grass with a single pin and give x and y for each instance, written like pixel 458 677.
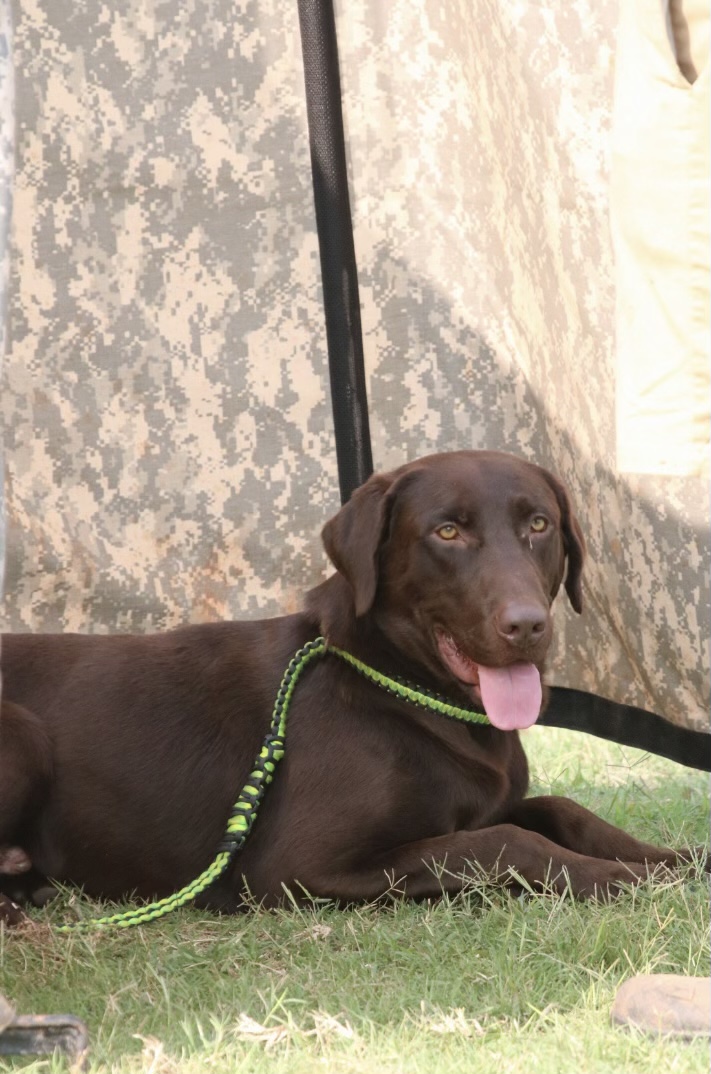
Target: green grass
pixel 481 982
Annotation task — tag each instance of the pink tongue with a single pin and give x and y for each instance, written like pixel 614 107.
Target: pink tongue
pixel 512 695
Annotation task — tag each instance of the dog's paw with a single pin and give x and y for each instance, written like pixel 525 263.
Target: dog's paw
pixel 10 913
pixel 14 861
pixel 608 879
pixel 699 859
pixel 702 856
pixel 694 859
pixel 22 884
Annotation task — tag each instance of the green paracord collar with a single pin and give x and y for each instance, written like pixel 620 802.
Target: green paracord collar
pixel 244 811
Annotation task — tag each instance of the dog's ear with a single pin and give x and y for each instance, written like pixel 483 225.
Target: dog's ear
pixel 573 542
pixel 353 537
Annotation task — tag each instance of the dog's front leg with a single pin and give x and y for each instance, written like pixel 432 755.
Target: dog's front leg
pixel 505 853
pixel 572 826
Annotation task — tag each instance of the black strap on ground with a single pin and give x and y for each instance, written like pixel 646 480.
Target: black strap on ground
pixel 630 726
pixel 335 238
pixel 574 709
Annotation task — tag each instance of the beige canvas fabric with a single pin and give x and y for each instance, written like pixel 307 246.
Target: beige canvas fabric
pixel 661 214
pixel 167 428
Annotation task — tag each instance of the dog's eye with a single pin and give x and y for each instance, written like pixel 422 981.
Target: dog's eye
pixel 539 524
pixel 448 532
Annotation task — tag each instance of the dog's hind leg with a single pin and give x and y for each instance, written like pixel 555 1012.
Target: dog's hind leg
pixel 25 769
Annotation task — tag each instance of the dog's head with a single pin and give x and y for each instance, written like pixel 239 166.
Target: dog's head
pixel 457 559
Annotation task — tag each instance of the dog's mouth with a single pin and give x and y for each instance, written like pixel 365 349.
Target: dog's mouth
pixel 511 695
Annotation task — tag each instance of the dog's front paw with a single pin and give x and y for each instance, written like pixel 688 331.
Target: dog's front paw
pixel 607 880
pixel 701 858
pixel 698 859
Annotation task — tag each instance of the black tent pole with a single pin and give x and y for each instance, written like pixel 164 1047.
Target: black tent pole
pixel 335 236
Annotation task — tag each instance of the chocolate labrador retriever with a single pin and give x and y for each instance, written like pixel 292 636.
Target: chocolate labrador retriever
pixel 122 755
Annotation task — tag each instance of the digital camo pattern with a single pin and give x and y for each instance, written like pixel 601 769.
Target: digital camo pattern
pixel 7 163
pixel 168 431
pixel 168 434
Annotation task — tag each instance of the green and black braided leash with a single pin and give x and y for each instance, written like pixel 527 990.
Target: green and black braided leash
pixel 245 809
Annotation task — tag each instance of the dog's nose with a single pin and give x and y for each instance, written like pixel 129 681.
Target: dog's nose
pixel 522 624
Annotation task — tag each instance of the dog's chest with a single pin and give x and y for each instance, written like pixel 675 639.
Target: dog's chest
pixel 446 776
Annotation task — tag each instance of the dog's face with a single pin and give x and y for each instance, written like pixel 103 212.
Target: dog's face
pixel 457 558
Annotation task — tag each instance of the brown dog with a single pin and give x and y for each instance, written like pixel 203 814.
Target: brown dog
pixel 122 755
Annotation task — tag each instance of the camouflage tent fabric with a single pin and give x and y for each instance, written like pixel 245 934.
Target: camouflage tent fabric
pixel 7 162
pixel 167 430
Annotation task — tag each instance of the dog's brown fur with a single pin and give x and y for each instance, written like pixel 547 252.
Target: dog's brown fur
pixel 122 755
